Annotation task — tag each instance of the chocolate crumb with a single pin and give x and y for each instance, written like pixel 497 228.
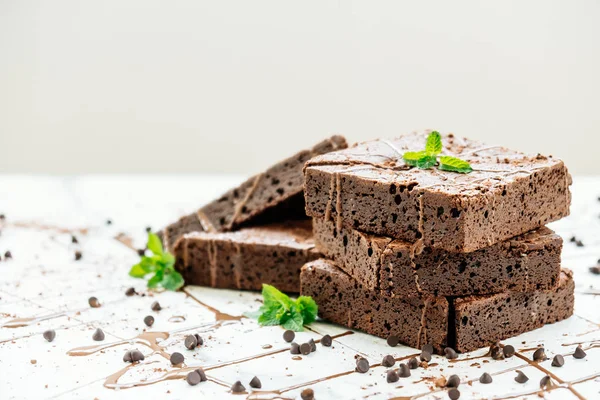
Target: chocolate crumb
pixel 427 348
pixel 74 239
pixel 393 341
pixel 289 336
pixel 453 381
pixel 313 345
pixel 388 361
pixel 295 348
pixel 98 335
pixel 413 363
pixel 558 361
pixel 595 269
pixel 425 356
pixel 362 365
pixel 203 377
pixel 453 394
pixel 156 306
pixel 141 252
pixel 93 302
pixel 485 378
pixel 450 353
pixel 78 255
pixel 579 353
pixel 579 243
pixel 255 383
pixel 108 222
pixel 8 254
pixel 149 320
pixel 130 292
pixel 177 358
pixel 307 394
pixel 326 341
pixel 50 334
pixel 305 349
pixel 403 370
pixel 440 382
pixel 237 387
pixel 521 377
pixel 193 378
pixel 508 351
pixel 392 376
pixel 539 355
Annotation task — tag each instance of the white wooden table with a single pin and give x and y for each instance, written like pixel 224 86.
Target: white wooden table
pixel 45 286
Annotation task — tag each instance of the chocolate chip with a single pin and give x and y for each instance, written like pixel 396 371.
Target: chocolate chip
pixel 177 358
pixel 8 254
pixel 450 353
pixel 238 387
pixel 93 302
pixel 427 348
pixel 579 353
pixel 127 356
pixel 496 352
pixel 133 356
pixel 149 320
pixel 362 365
pixel 108 222
pixel 193 378
pixel 453 394
pixel 98 335
pixel 392 376
pixel 2 217
pixel 50 334
pixel 289 336
pixel 156 306
pixel 453 381
pixel 130 292
pixel 485 378
pixel 413 363
pixel 388 361
pixel 393 340
pixel 191 342
pixel 558 361
pixel 546 382
pixel 508 351
pixel 199 340
pixel 78 255
pixel 203 377
pixel 255 383
pixel 307 394
pixel 141 252
pixel 579 243
pixel 295 349
pixel 326 341
pixel 539 355
pixel 74 239
pixel 595 269
pixel 404 370
pixel 521 377
pixel 305 349
pixel 425 356
pixel 313 345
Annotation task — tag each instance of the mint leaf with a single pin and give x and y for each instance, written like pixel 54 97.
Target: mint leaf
pixel 154 244
pixel 433 146
pixel 295 321
pixel 172 280
pixel 426 162
pixel 137 271
pixel 273 297
pixel 269 316
pixel 413 157
pixel 449 163
pixel 156 279
pixel 308 308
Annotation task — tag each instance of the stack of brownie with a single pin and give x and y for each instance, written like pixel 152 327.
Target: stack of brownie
pixel 255 233
pixel 427 256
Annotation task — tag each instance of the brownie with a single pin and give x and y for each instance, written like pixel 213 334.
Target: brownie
pixel 279 186
pixel 341 299
pixel 247 258
pixel 525 263
pixel 368 187
pixel 464 324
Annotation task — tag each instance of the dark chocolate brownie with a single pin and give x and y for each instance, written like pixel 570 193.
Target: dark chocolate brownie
pixel 368 187
pixel 464 324
pixel 280 185
pixel 247 258
pixel 343 300
pixel 522 264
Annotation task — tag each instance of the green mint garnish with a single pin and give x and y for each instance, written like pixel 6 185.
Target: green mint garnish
pixel 429 157
pixel 279 309
pixel 161 264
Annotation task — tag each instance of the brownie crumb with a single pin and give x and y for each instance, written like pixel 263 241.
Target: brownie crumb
pixel 94 302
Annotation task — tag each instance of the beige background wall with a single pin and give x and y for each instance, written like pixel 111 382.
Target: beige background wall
pixel 230 86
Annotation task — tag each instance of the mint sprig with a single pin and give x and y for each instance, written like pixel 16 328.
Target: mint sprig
pixel 428 158
pixel 161 264
pixel 279 309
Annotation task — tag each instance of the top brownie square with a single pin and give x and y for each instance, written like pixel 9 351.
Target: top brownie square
pixel 370 188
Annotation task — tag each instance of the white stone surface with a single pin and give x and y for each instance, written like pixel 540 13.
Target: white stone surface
pixel 43 281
